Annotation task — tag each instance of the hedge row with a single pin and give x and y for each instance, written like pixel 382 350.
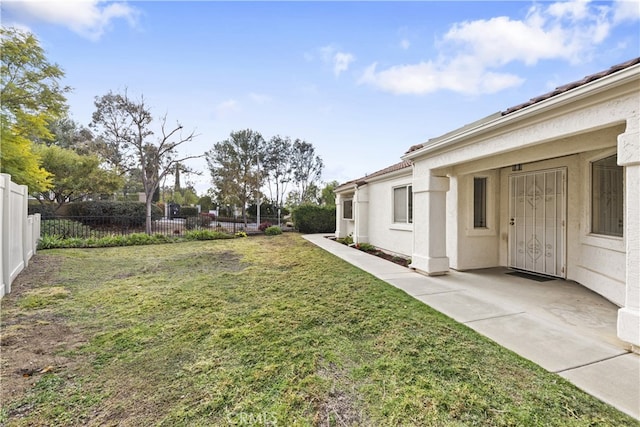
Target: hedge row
pixel 314 219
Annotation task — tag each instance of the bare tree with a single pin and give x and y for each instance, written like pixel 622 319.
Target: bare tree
pixel 125 126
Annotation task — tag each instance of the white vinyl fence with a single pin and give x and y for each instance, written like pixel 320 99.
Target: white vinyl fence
pixel 19 232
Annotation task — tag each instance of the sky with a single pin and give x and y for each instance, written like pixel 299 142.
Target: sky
pixel 361 81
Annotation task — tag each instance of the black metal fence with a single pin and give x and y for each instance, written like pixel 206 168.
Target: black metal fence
pixel 101 226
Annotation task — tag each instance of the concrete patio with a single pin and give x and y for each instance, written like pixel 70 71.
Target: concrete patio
pixel 557 324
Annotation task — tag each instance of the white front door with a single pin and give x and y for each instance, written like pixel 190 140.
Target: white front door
pixel 537 218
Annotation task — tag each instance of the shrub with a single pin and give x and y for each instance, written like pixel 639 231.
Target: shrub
pixel 264 225
pixel 274 230
pixel 240 234
pixel 366 247
pixel 348 240
pixel 187 211
pixel 315 219
pixel 112 212
pixel 46 210
pixel 206 235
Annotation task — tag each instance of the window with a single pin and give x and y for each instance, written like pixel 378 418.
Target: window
pixel 403 204
pixel 347 209
pixel 607 197
pixel 479 202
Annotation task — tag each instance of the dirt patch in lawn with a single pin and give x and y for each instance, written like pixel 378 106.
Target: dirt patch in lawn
pixel 340 406
pixel 33 341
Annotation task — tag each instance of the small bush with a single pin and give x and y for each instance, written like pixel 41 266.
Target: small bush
pixel 274 230
pixel 187 211
pixel 348 240
pixel 206 235
pixel 240 234
pixel 51 242
pixel 315 219
pixel 264 225
pixel 366 247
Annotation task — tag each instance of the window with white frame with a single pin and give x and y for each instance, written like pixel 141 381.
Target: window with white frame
pixel 403 204
pixel 479 202
pixel 607 198
pixel 347 209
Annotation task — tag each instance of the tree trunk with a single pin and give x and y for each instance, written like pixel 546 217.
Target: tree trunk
pixel 148 219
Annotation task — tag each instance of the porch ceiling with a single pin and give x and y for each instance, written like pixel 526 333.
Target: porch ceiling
pixel 576 144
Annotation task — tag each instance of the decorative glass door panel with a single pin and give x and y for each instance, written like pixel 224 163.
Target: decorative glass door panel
pixel 537 215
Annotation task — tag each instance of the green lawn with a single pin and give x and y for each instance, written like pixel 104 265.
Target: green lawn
pixel 260 331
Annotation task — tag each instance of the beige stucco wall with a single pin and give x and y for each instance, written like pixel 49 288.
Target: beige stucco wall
pixel 383 233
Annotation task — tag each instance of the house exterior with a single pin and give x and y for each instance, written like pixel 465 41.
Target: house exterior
pixel 551 186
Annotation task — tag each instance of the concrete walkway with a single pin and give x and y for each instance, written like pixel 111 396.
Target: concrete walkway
pixel 558 324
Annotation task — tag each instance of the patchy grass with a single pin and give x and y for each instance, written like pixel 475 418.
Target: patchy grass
pixel 260 331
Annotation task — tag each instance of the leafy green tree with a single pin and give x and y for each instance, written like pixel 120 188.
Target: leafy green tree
pixel 67 133
pixel 125 127
pixel 233 164
pixel 278 169
pixel 327 196
pixel 307 170
pixel 75 176
pixel 31 97
pixel 206 204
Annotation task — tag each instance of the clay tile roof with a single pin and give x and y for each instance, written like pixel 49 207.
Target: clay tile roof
pixel 567 87
pixel 365 179
pixel 557 91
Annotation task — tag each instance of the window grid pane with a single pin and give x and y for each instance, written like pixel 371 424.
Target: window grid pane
pixel 410 203
pixel 347 209
pixel 400 204
pixel 479 202
pixel 607 197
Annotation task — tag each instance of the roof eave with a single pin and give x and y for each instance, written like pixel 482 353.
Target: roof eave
pixel 589 89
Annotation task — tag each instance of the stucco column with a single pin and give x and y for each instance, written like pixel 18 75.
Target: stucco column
pixel 339 222
pixel 361 215
pixel 629 157
pixel 429 225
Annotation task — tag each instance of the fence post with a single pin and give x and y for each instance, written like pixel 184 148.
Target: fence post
pixel 27 226
pixel 6 255
pixel 37 218
pixel 3 237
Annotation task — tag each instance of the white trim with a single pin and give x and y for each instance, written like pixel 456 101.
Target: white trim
pixel 591 237
pixel 409 209
pixel 490 229
pixel 352 209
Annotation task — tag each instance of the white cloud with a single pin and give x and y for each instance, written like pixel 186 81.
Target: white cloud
pixel 339 60
pixel 89 18
pixel 405 44
pixel 626 10
pixel 227 108
pixel 473 52
pixel 428 77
